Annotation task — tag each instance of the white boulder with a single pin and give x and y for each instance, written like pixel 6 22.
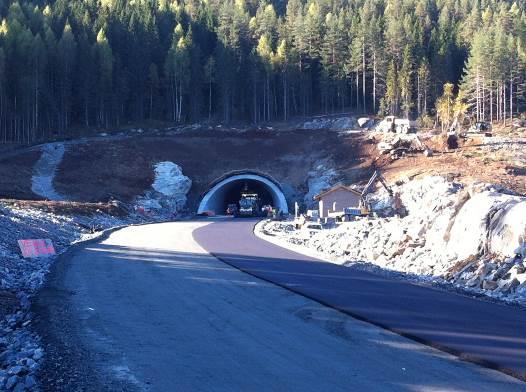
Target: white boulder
pixel 169 190
pixel 489 222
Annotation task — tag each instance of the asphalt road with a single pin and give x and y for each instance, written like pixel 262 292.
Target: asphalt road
pixel 149 309
pixel 480 331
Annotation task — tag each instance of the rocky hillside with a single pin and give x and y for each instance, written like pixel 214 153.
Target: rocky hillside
pixel 473 236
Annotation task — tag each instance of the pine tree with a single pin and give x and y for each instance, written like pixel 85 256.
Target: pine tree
pixel 406 82
pixel 67 47
pixel 85 78
pixel 444 106
pixel 210 72
pixel 153 85
pixel 313 29
pixel 104 59
pixel 265 54
pixel 391 101
pixel 281 61
pixel 38 64
pixel 478 76
pixel 332 59
pixel 102 63
pixel 422 87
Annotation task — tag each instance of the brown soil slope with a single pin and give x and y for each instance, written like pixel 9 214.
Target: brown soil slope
pixel 16 171
pixel 98 170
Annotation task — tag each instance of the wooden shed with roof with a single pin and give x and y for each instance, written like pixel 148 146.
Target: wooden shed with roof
pixel 336 199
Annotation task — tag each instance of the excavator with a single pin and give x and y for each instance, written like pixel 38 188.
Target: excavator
pixel 364 208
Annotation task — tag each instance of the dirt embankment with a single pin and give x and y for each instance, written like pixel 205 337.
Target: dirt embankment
pixel 121 166
pixel 16 171
pixel 123 169
pixel 499 160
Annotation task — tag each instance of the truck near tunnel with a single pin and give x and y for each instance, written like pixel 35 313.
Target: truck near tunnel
pixel 249 204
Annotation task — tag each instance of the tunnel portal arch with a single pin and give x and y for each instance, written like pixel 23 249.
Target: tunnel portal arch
pixel 222 191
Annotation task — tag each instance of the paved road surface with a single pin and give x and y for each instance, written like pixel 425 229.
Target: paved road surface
pixel 477 330
pixel 149 309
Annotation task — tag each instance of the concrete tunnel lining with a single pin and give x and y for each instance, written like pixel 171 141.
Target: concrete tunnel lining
pixel 214 198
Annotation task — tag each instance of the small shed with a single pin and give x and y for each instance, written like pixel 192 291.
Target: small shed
pixel 336 199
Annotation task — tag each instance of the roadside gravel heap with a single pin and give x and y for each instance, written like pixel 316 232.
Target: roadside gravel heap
pixel 20 354
pixel 470 236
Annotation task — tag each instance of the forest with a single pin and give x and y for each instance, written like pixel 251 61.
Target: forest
pixel 96 64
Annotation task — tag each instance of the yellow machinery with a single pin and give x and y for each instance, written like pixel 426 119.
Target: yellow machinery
pixel 365 208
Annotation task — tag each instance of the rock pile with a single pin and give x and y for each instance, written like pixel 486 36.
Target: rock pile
pixel 334 123
pixel 503 278
pixel 20 354
pixel 399 144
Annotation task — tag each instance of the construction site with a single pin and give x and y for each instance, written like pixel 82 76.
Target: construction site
pixel 444 210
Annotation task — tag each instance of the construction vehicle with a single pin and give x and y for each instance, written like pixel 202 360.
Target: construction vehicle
pixel 364 208
pixel 481 128
pixel 396 125
pixel 249 204
pixel 232 209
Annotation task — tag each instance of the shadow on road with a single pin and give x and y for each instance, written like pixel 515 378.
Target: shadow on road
pixel 212 325
pixel 478 331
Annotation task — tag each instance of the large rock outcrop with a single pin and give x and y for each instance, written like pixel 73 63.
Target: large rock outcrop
pixel 169 190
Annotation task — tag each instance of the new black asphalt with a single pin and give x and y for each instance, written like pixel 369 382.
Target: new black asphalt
pixel 480 331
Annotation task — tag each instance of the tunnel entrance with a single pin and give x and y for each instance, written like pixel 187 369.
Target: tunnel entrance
pixel 228 191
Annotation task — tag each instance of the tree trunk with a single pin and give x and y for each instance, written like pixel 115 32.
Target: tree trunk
pixel 425 100
pixel 418 95
pixel 374 82
pixel 285 116
pixel 210 101
pixel 477 83
pixel 37 94
pixel 504 102
pixel 357 89
pixel 255 99
pixel 151 103
pixel 491 105
pixel 268 97
pixel 86 114
pixel 483 114
pixel 511 99
pixel 363 76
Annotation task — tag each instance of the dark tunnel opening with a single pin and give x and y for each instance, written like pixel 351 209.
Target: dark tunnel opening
pixel 236 188
pixel 229 191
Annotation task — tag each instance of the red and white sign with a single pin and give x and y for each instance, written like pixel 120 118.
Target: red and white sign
pixel 36 248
